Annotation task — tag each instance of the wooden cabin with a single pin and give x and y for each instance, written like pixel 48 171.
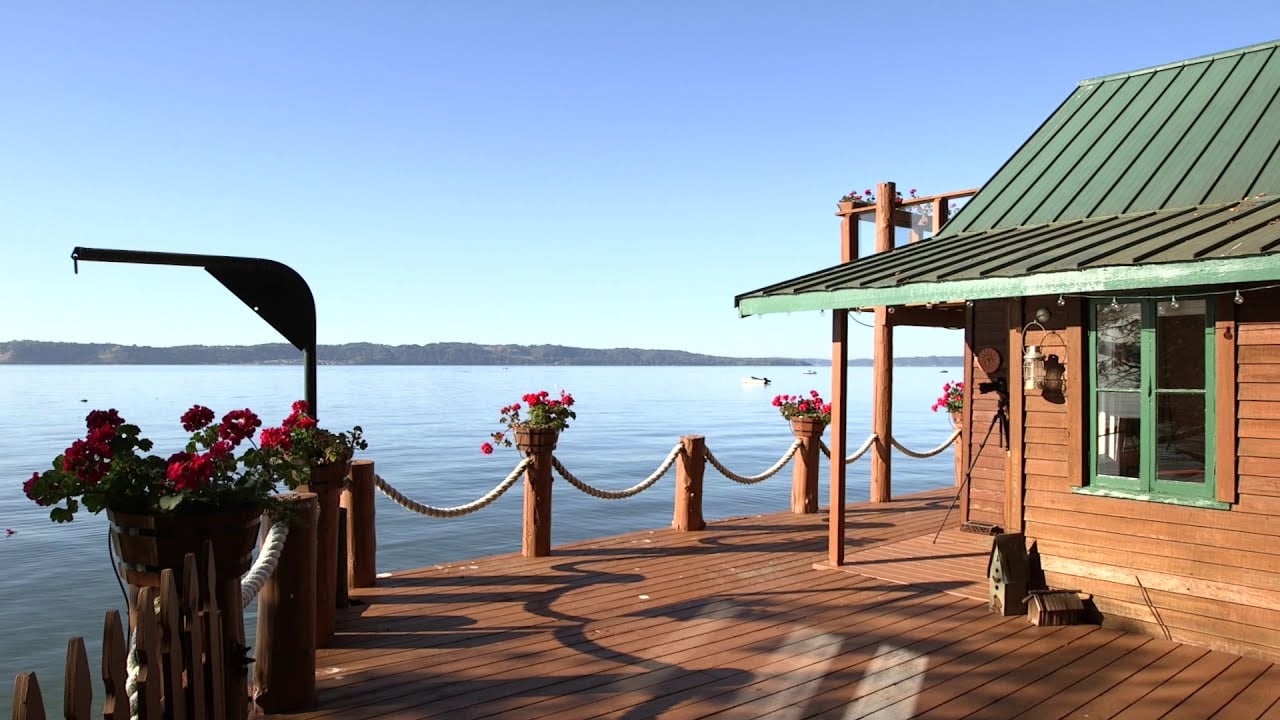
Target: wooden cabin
pixel 1119 283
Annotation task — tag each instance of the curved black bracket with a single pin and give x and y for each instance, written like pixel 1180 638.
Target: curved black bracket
pixel 273 290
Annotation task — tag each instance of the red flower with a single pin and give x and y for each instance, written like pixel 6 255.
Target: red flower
pixel 29 488
pixel 486 448
pixel 191 472
pixel 98 418
pixel 238 425
pixel 197 418
pixel 276 437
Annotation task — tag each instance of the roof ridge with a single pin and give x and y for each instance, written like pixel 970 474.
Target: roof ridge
pixel 1182 63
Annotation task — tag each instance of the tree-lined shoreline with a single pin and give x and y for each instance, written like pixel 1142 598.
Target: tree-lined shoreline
pixel 36 352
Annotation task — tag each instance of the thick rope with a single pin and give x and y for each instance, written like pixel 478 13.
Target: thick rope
pixel 458 510
pixel 927 453
pixel 131 684
pixel 856 453
pixel 265 564
pixel 711 458
pixel 620 494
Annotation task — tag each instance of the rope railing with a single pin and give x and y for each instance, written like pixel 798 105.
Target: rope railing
pixel 265 564
pixel 753 479
pixel 458 510
pixel 926 453
pixel 862 450
pixel 620 494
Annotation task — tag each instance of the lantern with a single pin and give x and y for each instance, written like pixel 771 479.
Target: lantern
pixel 1055 375
pixel 1032 368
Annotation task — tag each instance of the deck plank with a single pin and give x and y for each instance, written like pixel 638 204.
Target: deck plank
pixel 736 622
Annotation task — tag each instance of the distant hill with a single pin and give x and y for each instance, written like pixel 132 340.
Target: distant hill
pixel 32 352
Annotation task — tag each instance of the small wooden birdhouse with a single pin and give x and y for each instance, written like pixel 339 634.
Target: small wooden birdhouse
pixel 1055 607
pixel 1007 573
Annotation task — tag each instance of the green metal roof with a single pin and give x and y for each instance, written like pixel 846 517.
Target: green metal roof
pixel 1135 181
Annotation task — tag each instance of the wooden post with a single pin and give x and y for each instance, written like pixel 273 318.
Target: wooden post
pixel 1013 464
pixel 690 467
pixel 839 434
pixel 340 597
pixel 840 404
pixel 882 360
pixel 326 483
pixel 804 473
pixel 362 535
pixel 285 667
pixel 536 533
pixel 28 703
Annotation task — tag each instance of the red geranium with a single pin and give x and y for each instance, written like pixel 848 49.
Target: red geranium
pixel 544 411
pixel 111 467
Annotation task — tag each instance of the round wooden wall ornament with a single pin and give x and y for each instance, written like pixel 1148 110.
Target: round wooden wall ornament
pixel 989 360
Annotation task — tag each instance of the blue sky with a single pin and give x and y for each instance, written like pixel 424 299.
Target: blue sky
pixel 580 173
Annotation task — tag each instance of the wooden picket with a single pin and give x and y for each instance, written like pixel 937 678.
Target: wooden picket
pixel 179 655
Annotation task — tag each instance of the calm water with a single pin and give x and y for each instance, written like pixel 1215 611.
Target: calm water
pixel 425 426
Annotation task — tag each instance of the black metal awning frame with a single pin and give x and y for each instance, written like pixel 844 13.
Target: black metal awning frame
pixel 273 290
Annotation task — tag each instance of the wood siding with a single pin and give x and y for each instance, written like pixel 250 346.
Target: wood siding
pixel 1208 577
pixel 986 490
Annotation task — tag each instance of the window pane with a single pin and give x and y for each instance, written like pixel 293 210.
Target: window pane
pixel 1119 426
pixel 1180 442
pixel 1119 339
pixel 1180 345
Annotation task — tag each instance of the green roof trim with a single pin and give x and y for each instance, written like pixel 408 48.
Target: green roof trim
pixel 1159 178
pixel 1098 280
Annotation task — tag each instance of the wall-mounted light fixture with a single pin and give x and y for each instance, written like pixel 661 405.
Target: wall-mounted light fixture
pixel 1055 375
pixel 1032 358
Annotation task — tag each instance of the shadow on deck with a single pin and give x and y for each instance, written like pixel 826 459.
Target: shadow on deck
pixel 735 621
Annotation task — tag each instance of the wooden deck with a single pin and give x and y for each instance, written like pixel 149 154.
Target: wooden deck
pixel 736 622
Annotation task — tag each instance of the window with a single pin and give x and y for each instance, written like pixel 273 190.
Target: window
pixel 1151 399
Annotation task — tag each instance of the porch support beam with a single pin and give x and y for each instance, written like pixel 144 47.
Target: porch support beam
pixel 882 361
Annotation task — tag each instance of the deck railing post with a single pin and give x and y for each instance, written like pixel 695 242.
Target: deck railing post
pixel 689 470
pixel 537 445
pixel 284 670
pixel 804 473
pixel 362 536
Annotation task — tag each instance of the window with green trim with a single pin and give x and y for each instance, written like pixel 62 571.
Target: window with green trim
pixel 1150 398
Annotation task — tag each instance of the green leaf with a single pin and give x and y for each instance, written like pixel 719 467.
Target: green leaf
pixel 61 514
pixel 169 502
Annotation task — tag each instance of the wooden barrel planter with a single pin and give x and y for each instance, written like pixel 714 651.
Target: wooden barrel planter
pixel 807 427
pixel 532 441
pixel 148 543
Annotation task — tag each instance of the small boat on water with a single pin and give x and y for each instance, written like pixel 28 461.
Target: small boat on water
pixel 808 372
pixel 753 380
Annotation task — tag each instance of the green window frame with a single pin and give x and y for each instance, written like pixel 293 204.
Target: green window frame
pixel 1142 436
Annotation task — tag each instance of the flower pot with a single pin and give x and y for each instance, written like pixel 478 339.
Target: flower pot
pixel 531 441
pixel 149 543
pixel 807 427
pixel 329 476
pixel 956 418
